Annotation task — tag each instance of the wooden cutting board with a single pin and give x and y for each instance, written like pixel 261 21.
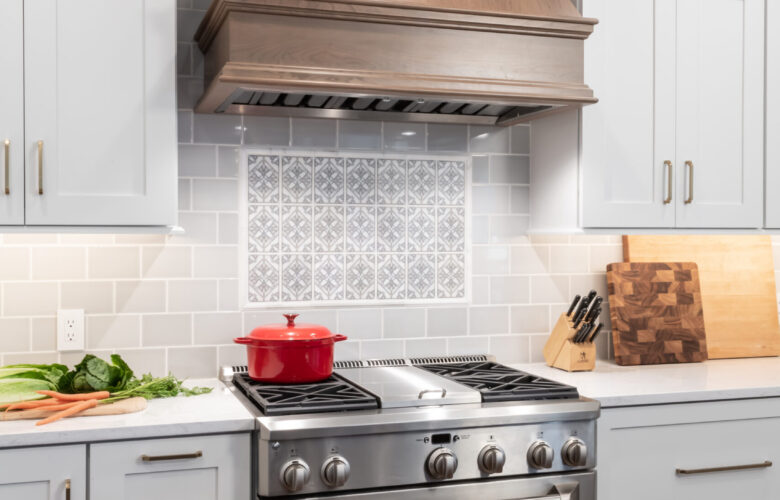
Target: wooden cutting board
pixel 738 290
pixel 130 405
pixel 656 313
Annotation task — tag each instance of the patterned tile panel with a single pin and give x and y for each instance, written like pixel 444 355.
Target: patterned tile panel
pixel 356 228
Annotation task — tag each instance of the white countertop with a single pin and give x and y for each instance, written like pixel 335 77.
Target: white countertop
pixel 216 412
pixel 716 379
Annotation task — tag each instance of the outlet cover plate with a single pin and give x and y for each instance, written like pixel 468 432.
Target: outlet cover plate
pixel 70 330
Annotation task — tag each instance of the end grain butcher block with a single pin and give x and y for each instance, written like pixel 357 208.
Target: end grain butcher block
pixel 738 290
pixel 656 313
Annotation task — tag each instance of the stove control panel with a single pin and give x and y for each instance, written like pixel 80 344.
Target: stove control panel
pixel 350 462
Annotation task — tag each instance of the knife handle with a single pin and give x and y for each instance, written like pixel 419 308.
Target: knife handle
pixel 573 305
pixel 582 334
pixel 595 332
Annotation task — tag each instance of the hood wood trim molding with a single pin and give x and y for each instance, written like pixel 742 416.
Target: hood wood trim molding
pixel 498 58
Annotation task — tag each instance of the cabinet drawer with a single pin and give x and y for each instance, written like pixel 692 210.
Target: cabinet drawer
pixel 197 468
pixel 642 448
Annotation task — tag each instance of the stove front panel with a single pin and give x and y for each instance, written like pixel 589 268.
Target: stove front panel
pixel 402 459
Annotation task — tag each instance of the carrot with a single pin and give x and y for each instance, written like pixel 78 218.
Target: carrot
pixel 69 412
pixel 63 406
pixel 76 397
pixel 27 405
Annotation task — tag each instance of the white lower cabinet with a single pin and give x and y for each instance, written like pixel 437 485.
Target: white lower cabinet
pixel 196 468
pixel 45 473
pixel 641 449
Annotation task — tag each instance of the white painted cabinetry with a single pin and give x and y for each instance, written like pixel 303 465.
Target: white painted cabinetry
pixel 88 101
pixel 195 468
pixel 11 113
pixel 773 115
pixel 641 448
pixel 45 473
pixel 681 89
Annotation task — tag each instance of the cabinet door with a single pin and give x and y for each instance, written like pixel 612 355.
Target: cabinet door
pixel 100 112
pixel 772 191
pixel 44 473
pixel 11 113
pixel 720 113
pixel 641 448
pixel 195 468
pixel 629 134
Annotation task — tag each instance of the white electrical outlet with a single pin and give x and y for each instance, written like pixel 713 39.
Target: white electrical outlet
pixel 70 330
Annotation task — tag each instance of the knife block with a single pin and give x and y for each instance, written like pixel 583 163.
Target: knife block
pixel 560 352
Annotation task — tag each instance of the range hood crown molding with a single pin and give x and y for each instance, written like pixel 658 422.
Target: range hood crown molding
pixel 415 60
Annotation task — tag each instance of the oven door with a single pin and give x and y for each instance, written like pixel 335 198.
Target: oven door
pixel 554 487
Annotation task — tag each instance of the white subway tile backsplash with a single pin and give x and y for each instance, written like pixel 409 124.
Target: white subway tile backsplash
pixel 521 140
pixel 30 299
pixel 490 199
pixel 199 228
pixel 447 137
pixel 507 169
pixel 227 161
pixel 228 229
pixel 192 362
pixel 530 259
pixel 530 319
pixel 14 263
pixel 197 161
pixel 58 263
pixel 484 139
pixel 480 169
pixel 166 330
pixel 187 22
pixel 480 290
pixel 403 322
pixel 14 335
pixel 447 322
pixel 95 297
pixel 509 290
pixel 512 348
pixel 167 261
pixel 520 196
pixel 215 262
pixel 548 289
pixel 457 346
pixel 489 320
pixel 140 296
pixel 228 295
pixel 425 347
pixel 44 334
pixel 185 194
pixel 356 135
pixel 216 194
pixel 114 262
pixel 110 332
pixel 314 133
pixel 192 295
pixel 266 131
pixel 184 126
pixel 490 259
pixel 359 324
pixel 217 328
pixel 145 361
pixel 382 349
pixel 217 129
pixel 603 255
pixel 508 228
pixel 188 91
pixel 404 136
pixel 568 259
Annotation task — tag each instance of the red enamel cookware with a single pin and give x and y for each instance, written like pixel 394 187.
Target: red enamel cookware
pixel 290 353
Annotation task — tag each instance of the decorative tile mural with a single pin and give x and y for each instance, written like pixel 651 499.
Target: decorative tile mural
pixel 351 227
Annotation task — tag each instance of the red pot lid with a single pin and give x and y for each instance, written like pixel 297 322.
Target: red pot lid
pixel 291 331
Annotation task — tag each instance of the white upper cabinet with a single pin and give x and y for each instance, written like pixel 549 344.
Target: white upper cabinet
pixel 100 112
pixel 629 134
pixel 720 113
pixel 681 86
pixel 11 113
pixel 773 115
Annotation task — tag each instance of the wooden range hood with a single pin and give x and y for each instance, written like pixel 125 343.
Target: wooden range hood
pixel 460 61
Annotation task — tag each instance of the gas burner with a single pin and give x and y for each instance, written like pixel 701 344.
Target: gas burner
pixel 333 394
pixel 500 383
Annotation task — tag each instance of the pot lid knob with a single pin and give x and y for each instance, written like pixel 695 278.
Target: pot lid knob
pixel 291 319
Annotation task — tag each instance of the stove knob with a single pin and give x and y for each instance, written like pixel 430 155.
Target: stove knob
pixel 491 459
pixel 574 453
pixel 295 474
pixel 540 455
pixel 335 471
pixel 442 463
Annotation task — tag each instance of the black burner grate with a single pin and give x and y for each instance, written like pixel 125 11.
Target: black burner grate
pixel 500 383
pixel 333 394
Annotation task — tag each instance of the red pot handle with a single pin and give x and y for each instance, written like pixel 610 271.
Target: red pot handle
pixel 242 340
pixel 339 338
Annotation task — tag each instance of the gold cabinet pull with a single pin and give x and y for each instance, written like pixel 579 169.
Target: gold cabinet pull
pixel 669 184
pixel 67 489
pixel 7 176
pixel 689 164
pixel 687 472
pixel 160 458
pixel 40 167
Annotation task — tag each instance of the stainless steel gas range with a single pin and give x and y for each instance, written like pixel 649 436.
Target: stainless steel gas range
pixel 445 428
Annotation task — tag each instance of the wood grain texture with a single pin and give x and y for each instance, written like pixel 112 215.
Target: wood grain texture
pixel 738 291
pixel 656 313
pixel 130 405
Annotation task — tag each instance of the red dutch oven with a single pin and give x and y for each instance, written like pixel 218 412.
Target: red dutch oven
pixel 290 353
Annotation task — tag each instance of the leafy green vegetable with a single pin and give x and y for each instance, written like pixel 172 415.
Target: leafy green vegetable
pixel 50 373
pixel 94 374
pixel 151 388
pixel 13 389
